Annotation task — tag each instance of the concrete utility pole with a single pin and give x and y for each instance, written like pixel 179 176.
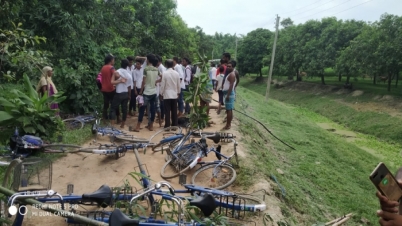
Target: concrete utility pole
pixel 272 58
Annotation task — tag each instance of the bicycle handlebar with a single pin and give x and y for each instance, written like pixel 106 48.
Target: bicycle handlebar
pixel 157 186
pixel 36 194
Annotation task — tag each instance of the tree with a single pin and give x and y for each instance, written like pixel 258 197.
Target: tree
pixel 289 55
pixel 252 50
pixel 287 22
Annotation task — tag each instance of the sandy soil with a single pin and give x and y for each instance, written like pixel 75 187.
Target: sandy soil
pixel 88 171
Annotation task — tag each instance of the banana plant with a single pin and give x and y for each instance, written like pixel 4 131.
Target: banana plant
pixel 198 116
pixel 203 62
pixel 30 112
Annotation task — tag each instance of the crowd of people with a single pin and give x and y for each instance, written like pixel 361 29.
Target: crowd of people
pixel 144 84
pixel 153 89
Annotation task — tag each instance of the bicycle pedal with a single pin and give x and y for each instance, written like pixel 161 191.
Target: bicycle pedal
pixel 182 179
pixel 70 189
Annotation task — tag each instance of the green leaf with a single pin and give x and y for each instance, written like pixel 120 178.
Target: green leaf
pixel 28 87
pixel 41 128
pixel 4 116
pixel 6 103
pixel 29 129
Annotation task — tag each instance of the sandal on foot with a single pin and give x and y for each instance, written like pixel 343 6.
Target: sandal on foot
pixel 225 128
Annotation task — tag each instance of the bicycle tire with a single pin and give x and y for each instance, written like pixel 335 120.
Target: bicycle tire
pixel 86 118
pixel 179 164
pixel 131 138
pixel 61 148
pixel 198 180
pixel 73 124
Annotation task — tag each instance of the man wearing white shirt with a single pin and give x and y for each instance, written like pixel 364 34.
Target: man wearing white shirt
pixel 130 69
pixel 159 104
pixel 179 69
pixel 187 79
pixel 138 74
pixel 212 74
pixel 122 80
pixel 169 91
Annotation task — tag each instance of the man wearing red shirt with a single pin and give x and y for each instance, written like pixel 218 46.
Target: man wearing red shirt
pixel 108 90
pixel 225 59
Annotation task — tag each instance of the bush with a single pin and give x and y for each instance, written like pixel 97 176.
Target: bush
pixel 265 70
pixel 29 112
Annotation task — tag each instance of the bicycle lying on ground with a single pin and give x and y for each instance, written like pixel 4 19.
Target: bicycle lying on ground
pixel 104 196
pixel 185 157
pixel 79 122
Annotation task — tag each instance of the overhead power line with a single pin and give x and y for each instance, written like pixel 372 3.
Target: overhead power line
pixel 312 8
pixel 325 10
pixel 352 7
pixel 301 7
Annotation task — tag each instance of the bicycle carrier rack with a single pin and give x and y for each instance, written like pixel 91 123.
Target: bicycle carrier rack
pixel 231 212
pixel 32 174
pixel 226 137
pixel 127 192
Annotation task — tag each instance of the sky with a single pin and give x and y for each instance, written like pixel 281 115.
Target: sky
pixel 243 16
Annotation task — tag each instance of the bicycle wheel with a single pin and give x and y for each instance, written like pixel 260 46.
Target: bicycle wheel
pixel 214 176
pixel 131 138
pixel 61 148
pixel 177 165
pixel 86 118
pixel 73 124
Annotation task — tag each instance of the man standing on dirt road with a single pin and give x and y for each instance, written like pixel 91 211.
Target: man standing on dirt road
pixel 169 92
pixel 212 75
pixel 179 69
pixel 228 93
pixel 148 91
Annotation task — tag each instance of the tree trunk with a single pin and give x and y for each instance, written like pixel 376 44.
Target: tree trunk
pixel 260 72
pixel 397 79
pixel 298 78
pixel 389 81
pixel 375 79
pixel 322 79
pixel 347 79
pixel 339 77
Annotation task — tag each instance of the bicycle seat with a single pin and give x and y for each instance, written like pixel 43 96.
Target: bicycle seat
pixel 215 138
pixel 103 196
pixel 117 218
pixel 206 204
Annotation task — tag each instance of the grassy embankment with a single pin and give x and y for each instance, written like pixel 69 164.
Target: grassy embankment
pixel 360 83
pixel 326 176
pixel 380 125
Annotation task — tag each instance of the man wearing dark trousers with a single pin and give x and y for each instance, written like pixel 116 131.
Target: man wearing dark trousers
pixel 187 79
pixel 169 92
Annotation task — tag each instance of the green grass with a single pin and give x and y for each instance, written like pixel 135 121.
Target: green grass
pixel 325 176
pixel 380 125
pixel 359 83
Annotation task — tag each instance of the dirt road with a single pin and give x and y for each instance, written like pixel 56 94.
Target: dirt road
pixel 88 171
